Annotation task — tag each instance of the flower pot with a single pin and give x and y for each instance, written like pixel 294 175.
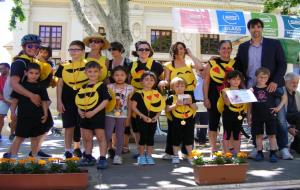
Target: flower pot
pixel 220 174
pixel 44 181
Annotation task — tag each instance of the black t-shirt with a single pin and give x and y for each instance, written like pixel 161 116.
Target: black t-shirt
pixel 157 67
pixel 68 93
pixel 25 107
pixel 265 100
pixel 138 97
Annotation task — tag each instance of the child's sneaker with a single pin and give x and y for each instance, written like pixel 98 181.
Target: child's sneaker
pixel 111 153
pixel 167 157
pixel 7 155
pixel 259 156
pixel 175 160
pixel 150 160
pixel 68 154
pixel 77 152
pixel 102 164
pixel 117 160
pixel 273 158
pixel 141 160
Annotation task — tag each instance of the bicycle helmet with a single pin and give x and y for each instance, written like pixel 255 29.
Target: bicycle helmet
pixel 30 38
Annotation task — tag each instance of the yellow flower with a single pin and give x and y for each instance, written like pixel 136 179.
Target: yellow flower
pixel 42 162
pixel 54 159
pixel 11 160
pixel 242 155
pixel 31 159
pixel 195 153
pixel 228 155
pixel 4 160
pixel 75 159
pixel 218 154
pixel 22 161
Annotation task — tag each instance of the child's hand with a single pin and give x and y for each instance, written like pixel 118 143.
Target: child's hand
pixel 81 113
pixel 207 103
pixel 36 100
pixel 60 107
pixel 154 119
pixel 188 101
pixel 179 103
pixel 44 118
pixel 146 119
pixel 275 110
pixel 89 114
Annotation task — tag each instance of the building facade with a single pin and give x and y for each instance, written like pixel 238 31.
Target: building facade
pixel 57 24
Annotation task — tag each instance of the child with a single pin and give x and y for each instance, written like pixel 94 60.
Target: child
pixel 71 78
pixel 232 115
pixel 147 104
pixel 262 113
pixel 182 108
pixel 119 118
pixel 91 101
pixel 31 118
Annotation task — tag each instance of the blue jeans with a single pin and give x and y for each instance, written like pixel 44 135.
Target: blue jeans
pixel 282 127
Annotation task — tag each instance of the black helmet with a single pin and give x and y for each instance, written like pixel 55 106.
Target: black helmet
pixel 30 38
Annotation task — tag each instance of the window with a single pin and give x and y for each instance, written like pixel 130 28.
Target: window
pixel 101 31
pixel 161 40
pixel 209 43
pixel 51 36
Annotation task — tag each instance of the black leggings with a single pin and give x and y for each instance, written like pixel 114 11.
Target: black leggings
pixel 147 132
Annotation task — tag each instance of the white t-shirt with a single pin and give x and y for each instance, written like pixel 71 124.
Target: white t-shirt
pixel 122 96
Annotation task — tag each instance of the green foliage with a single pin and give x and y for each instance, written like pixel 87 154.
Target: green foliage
pixel 17 13
pixel 285 6
pixel 71 167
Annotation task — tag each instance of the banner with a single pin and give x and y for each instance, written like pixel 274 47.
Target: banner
pixel 270 23
pixel 231 22
pixel 208 21
pixel 291 27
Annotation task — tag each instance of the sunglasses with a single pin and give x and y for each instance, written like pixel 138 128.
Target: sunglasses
pixel 74 50
pixel 33 46
pixel 144 49
pixel 113 49
pixel 96 41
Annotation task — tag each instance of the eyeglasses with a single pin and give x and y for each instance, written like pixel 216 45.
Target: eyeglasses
pixel 144 49
pixel 74 50
pixel 33 46
pixel 96 41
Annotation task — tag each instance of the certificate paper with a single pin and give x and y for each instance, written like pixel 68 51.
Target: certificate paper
pixel 240 96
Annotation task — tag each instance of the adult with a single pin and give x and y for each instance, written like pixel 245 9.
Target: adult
pixel 265 52
pixel 293 108
pixel 145 62
pixel 30 48
pixel 97 43
pixel 4 104
pixel 179 67
pixel 214 82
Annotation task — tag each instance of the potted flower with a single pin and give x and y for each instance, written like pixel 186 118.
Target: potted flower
pixel 32 173
pixel 220 169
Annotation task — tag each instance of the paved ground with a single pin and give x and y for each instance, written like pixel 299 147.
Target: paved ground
pixel 262 175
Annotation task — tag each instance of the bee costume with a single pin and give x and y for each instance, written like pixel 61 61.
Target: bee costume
pixel 149 103
pixel 89 97
pixel 218 71
pixel 73 76
pixel 182 122
pixel 232 117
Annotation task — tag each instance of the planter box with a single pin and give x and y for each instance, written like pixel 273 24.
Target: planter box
pixel 44 181
pixel 220 174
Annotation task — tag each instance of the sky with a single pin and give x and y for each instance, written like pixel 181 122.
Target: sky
pixel 6 36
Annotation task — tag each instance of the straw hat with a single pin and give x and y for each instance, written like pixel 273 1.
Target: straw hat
pixel 96 36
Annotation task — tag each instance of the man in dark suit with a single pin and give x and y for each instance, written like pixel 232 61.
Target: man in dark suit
pixel 265 52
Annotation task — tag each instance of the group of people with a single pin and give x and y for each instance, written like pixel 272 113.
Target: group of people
pixel 101 97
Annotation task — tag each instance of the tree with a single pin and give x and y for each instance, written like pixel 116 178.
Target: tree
pixel 285 6
pixel 115 21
